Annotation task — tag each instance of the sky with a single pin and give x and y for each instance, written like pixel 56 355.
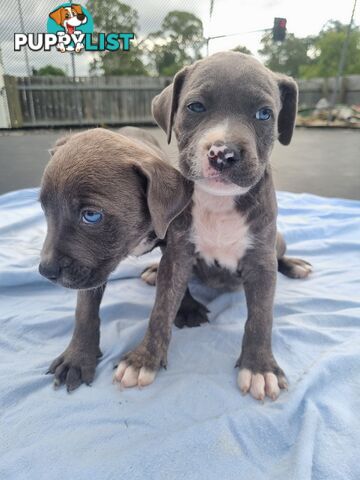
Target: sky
pixel 304 17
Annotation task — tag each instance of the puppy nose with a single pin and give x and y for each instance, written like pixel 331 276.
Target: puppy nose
pixel 51 271
pixel 80 16
pixel 221 155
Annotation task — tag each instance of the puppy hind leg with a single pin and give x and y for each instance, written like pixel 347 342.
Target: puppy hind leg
pixel 288 266
pixel 191 312
pixel 150 273
pixel 294 267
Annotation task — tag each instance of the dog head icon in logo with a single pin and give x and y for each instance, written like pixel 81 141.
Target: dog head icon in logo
pixel 70 19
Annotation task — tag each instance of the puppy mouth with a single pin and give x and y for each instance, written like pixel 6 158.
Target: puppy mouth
pixel 76 281
pixel 79 283
pixel 215 180
pixel 70 28
pixel 86 284
pixel 222 183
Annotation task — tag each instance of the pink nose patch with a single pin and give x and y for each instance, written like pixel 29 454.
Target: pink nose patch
pixel 215 150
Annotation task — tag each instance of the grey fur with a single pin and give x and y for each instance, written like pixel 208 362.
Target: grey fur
pixel 130 183
pixel 233 86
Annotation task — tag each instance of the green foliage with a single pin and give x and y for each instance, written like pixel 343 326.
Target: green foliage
pixel 126 63
pixel 167 59
pixel 115 16
pixel 328 45
pixel 242 49
pixel 316 56
pixel 49 70
pixel 185 29
pixel 179 42
pixel 287 56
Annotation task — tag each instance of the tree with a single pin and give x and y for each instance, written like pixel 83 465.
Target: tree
pixel 316 56
pixel 49 70
pixel 179 42
pixel 242 49
pixel 115 16
pixel 327 51
pixel 287 56
pixel 168 59
pixel 111 63
pixel 185 29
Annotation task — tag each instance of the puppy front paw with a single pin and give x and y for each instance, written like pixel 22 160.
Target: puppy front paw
pixel 74 367
pixel 261 378
pixel 130 376
pixel 138 368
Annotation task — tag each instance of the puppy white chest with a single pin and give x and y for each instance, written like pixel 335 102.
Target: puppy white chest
pixel 220 233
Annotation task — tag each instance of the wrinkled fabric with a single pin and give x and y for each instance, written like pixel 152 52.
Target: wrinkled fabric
pixel 192 423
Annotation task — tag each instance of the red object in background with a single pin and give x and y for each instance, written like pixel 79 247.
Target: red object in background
pixel 279 29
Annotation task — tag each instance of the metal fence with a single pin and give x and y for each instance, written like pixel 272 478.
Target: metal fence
pixel 56 101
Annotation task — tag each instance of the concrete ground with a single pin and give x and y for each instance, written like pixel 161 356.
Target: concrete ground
pixel 323 162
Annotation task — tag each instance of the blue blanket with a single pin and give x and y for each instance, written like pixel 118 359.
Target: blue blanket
pixel 192 423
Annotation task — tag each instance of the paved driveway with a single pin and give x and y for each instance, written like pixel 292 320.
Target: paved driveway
pixel 324 162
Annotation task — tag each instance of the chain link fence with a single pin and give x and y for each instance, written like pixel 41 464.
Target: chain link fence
pixel 80 95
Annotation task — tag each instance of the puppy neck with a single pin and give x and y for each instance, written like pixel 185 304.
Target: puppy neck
pixel 209 201
pixel 222 191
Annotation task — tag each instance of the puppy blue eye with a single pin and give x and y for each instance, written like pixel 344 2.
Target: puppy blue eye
pixel 264 113
pixel 91 217
pixel 196 107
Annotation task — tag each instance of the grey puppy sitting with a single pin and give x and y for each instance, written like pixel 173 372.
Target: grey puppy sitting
pixel 107 195
pixel 227 111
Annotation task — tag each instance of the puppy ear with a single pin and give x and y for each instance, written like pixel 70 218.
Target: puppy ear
pixel 167 193
pixel 77 8
pixel 164 105
pixel 59 143
pixel 287 116
pixel 57 15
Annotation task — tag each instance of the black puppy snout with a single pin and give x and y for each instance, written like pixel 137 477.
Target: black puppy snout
pixel 51 271
pixel 80 16
pixel 221 155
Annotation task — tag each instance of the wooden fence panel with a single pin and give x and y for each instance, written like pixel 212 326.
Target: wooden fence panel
pixel 59 101
pixel 55 101
pixel 13 101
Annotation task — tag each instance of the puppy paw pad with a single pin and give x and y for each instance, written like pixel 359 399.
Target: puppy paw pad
pixel 146 377
pixel 302 271
pixel 129 376
pixel 149 275
pixel 260 384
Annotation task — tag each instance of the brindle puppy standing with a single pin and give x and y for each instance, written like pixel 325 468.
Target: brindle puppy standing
pixel 227 111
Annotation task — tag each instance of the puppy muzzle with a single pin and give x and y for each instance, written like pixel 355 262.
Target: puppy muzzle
pixel 222 156
pixel 67 275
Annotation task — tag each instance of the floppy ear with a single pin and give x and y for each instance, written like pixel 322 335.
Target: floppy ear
pixel 287 116
pixel 57 15
pixel 59 143
pixel 165 104
pixel 77 8
pixel 167 193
